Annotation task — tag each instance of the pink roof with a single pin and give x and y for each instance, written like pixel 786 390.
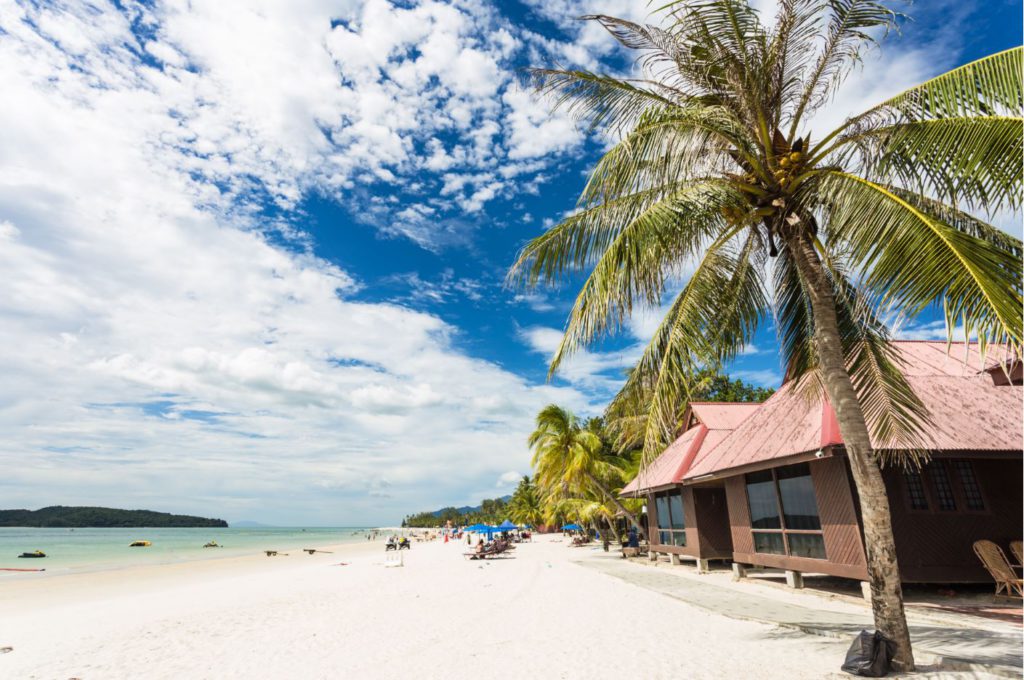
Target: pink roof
pixel 968 412
pixel 715 421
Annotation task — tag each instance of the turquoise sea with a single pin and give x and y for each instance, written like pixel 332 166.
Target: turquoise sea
pixel 71 550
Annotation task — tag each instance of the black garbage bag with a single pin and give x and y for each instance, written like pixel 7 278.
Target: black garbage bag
pixel 870 655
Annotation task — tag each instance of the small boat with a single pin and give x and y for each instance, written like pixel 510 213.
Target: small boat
pixel 139 544
pixel 37 553
pixel 212 544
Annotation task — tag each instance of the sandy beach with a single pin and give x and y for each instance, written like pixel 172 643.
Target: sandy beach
pixel 538 614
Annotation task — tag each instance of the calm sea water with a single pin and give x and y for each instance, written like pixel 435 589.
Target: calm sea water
pixel 93 549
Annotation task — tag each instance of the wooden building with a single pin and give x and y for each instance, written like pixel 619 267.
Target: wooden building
pixel 779 480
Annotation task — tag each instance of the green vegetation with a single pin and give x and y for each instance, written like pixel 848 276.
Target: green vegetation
pixel 57 516
pixel 490 511
pixel 715 169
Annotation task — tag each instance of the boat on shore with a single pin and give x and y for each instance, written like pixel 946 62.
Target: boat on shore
pixel 140 544
pixel 36 554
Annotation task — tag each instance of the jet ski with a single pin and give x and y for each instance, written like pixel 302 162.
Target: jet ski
pixel 37 553
pixel 139 544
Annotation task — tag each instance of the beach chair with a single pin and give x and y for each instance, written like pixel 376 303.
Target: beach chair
pixel 994 559
pixel 1018 552
pixel 394 560
pixel 483 554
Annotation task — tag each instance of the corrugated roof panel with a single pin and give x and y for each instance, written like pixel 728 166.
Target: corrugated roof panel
pixel 968 411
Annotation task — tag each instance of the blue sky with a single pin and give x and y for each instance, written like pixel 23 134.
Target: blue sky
pixel 254 251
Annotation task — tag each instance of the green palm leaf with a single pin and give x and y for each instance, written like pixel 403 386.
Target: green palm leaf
pixel 974 161
pixel 978 282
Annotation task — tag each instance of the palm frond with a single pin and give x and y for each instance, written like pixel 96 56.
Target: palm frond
pixel 895 415
pixel 851 29
pixel 596 99
pixel 986 87
pixel 649 251
pixel 975 161
pixel 712 318
pixel 978 282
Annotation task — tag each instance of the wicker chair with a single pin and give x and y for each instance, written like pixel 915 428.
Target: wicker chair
pixel 1016 549
pixel 994 559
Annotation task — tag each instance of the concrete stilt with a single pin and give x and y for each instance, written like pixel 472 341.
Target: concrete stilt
pixel 738 571
pixel 865 589
pixel 652 556
pixel 794 579
pixel 674 559
pixel 703 566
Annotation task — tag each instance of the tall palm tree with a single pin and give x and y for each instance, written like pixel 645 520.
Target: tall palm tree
pixel 715 166
pixel 572 459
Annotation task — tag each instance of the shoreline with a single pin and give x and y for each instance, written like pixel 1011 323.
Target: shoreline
pixel 56 564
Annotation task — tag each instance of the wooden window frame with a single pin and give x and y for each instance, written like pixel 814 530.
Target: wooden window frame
pixel 782 520
pixel 925 488
pixel 961 493
pixel 956 485
pixel 658 530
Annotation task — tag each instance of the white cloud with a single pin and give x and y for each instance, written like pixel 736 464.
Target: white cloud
pixel 510 478
pixel 601 373
pixel 160 350
pixel 764 377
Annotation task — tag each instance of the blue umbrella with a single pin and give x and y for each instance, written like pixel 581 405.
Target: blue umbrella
pixel 506 525
pixel 572 527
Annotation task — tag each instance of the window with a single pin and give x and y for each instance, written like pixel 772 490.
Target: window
pixel 943 487
pixel 799 507
pixel 764 503
pixel 969 483
pixel 915 490
pixel 784 516
pixel 671 520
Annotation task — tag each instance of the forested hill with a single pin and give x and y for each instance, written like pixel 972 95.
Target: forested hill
pixel 66 516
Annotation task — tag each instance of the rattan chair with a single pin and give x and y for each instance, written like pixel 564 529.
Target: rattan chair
pixel 994 559
pixel 1016 549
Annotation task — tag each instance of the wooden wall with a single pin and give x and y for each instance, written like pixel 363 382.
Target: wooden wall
pixel 935 546
pixel 840 529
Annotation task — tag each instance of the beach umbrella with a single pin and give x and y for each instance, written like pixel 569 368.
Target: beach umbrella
pixel 506 525
pixel 572 527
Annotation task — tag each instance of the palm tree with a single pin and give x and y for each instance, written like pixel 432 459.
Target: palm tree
pixel 715 166
pixel 525 506
pixel 571 459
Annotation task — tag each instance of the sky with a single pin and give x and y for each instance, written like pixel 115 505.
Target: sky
pixel 253 252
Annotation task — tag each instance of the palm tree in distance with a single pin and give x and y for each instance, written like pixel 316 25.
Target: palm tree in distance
pixel 829 232
pixel 571 460
pixel 525 506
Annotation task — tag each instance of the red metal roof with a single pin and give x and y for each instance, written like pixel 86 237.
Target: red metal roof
pixel 968 412
pixel 715 421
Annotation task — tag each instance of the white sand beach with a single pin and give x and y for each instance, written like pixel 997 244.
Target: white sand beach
pixel 536 615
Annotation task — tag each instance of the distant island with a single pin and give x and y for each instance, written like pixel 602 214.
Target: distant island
pixel 60 516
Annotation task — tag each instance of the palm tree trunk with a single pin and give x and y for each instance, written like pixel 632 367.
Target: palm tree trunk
pixel 883 570
pixel 615 530
pixel 615 502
